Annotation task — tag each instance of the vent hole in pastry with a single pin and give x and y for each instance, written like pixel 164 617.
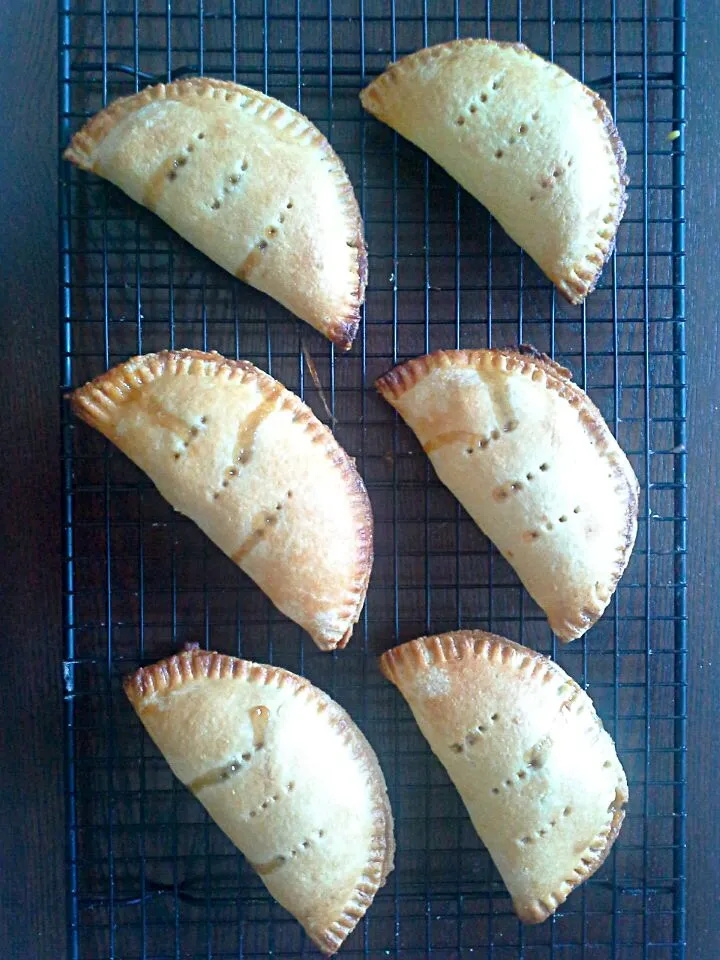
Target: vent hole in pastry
pixel 607 765
pixel 194 431
pixel 525 840
pixel 508 783
pixel 495 790
pixel 510 426
pixel 480 728
pixel 483 98
pixel 190 147
pixel 181 161
pixel 262 245
pixel 321 833
pixel 216 204
pixel 484 442
pixel 496 85
pixel 279 506
pixel 562 519
pixel 272 232
pixel 516 486
pixel 544 467
pixel 567 811
pixel 521 774
pixel 523 129
pixel 469 450
pixel 576 510
pixel 456 747
pixel 200 136
pixel 246 757
pixel 172 175
pixel 494 717
pixel 460 121
pixel 281 218
pixel 289 494
pixel 535 116
pixel 570 162
pixel 234 179
pixel 532 198
pixel 289 205
pixel 557 172
pixel 244 165
pixel 529 476
pixel 473 108
pixel 291 786
pixel 495 434
pixel 498 154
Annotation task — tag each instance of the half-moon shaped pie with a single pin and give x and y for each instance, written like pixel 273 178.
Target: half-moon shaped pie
pixel 535 146
pixel 523 745
pixel 284 772
pixel 533 462
pixel 247 180
pixel 244 458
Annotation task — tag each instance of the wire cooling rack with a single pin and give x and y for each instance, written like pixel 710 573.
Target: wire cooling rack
pixel 148 875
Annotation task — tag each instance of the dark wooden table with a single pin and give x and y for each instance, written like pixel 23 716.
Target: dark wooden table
pixel 32 837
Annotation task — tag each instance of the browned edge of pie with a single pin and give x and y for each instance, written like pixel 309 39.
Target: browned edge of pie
pixel 503 653
pixel 532 363
pixel 193 664
pixel 81 148
pixel 582 279
pixel 94 401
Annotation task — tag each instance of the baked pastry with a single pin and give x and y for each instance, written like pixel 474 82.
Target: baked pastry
pixel 247 180
pixel 244 458
pixel 533 462
pixel 535 146
pixel 523 745
pixel 284 772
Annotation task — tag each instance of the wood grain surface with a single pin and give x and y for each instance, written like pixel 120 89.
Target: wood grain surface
pixel 32 837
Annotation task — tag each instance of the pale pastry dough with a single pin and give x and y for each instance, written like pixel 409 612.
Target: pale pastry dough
pixel 533 462
pixel 247 180
pixel 244 458
pixel 535 146
pixel 284 772
pixel 522 743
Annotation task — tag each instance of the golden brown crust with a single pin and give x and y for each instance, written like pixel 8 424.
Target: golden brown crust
pixel 507 658
pixel 158 679
pixel 581 278
pixel 97 401
pixel 81 151
pixel 528 362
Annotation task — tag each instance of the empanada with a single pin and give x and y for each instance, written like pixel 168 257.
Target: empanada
pixel 523 745
pixel 534 145
pixel 244 458
pixel 533 462
pixel 284 772
pixel 247 180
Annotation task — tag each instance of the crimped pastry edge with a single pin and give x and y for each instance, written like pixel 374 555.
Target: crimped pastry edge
pixel 582 277
pixel 527 361
pixel 505 654
pixel 343 329
pixel 96 400
pixel 171 674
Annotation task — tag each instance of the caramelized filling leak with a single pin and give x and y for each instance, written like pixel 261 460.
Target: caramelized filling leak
pixel 262 523
pixel 259 717
pixel 162 417
pixel 219 774
pixel 248 429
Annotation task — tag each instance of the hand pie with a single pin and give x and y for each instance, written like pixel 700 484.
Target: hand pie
pixel 247 180
pixel 523 745
pixel 284 772
pixel 533 462
pixel 534 145
pixel 244 458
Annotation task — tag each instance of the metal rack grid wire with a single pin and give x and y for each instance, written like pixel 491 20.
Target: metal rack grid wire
pixel 148 874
